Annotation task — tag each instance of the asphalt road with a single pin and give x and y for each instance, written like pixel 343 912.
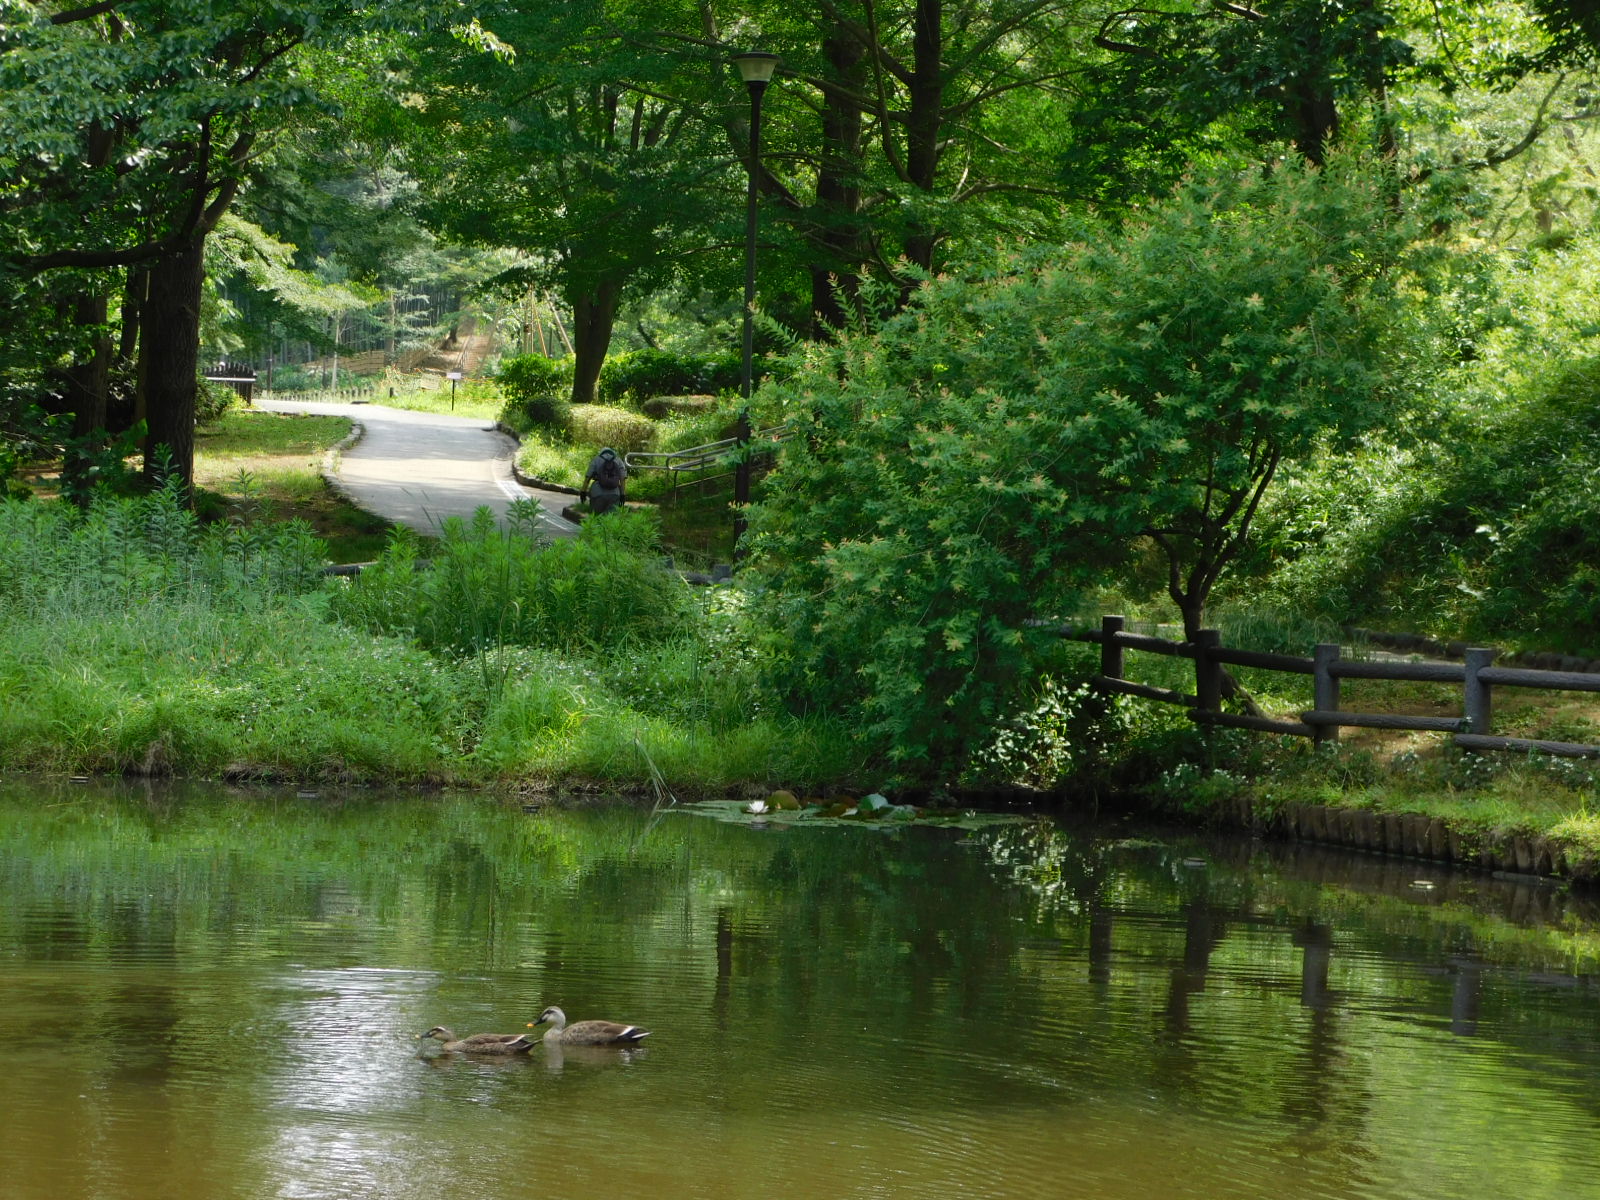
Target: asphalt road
pixel 419 469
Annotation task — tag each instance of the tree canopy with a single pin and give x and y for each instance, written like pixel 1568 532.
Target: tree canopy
pixel 980 459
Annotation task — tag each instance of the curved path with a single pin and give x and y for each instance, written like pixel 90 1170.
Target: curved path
pixel 418 468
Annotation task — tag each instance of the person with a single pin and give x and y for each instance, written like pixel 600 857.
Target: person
pixel 606 484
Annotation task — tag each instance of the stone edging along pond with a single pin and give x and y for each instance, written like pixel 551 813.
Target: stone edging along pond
pixel 1410 835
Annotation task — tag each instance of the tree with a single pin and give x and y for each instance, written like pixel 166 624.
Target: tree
pixel 1285 68
pixel 583 150
pixel 1014 436
pixel 912 130
pixel 127 130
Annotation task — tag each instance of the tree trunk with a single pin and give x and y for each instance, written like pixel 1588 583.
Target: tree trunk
pixel 593 314
pixel 835 282
pixel 129 408
pixel 1315 114
pixel 85 387
pixel 169 349
pixel 924 122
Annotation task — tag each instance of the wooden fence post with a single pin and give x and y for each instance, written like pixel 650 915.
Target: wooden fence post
pixel 1207 671
pixel 1477 702
pixel 1110 649
pixel 1325 688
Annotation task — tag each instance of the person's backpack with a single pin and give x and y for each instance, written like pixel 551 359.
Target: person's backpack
pixel 609 476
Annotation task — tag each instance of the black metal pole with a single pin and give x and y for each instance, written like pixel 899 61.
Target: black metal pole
pixel 741 474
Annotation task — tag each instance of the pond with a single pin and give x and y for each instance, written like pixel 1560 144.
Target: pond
pixel 219 994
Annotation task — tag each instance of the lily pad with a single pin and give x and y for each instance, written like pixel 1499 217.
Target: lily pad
pixel 883 816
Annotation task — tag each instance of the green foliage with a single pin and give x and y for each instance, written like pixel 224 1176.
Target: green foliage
pixel 641 375
pixel 1479 523
pixel 537 390
pixel 1002 443
pixel 596 425
pixel 212 400
pixel 486 587
pixel 1491 533
pixel 126 551
pixel 194 684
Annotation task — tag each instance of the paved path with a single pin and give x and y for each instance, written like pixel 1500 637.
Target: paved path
pixel 419 468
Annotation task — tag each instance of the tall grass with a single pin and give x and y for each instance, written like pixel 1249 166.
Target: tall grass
pixel 485 587
pixel 125 551
pixel 139 642
pixel 190 688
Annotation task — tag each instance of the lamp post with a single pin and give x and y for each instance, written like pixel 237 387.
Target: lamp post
pixel 755 68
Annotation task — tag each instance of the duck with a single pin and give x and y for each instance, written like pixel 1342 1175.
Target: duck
pixel 586 1033
pixel 480 1043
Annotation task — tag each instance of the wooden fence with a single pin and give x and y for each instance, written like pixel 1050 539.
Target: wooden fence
pixel 1476 674
pixel 363 394
pixel 240 377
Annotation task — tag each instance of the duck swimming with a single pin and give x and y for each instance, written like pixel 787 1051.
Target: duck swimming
pixel 480 1043
pixel 587 1033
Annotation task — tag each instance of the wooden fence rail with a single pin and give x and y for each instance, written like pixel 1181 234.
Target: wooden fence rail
pixel 1477 677
pixel 360 394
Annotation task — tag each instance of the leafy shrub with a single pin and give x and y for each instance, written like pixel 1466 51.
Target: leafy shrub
pixel 486 587
pixel 637 376
pixel 211 400
pixel 1009 438
pixel 600 425
pixel 123 551
pixel 295 377
pixel 538 390
pixel 1489 532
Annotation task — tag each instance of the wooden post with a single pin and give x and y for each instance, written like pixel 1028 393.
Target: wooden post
pixel 1477 704
pixel 1325 688
pixel 1207 671
pixel 1110 648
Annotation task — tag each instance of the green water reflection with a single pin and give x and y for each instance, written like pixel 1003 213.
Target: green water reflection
pixel 219 995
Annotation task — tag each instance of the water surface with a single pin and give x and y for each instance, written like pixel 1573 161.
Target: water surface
pixel 218 995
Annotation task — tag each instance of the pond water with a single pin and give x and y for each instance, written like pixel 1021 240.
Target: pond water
pixel 219 995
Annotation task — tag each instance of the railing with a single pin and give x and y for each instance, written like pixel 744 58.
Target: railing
pixel 361 394
pixel 241 378
pixel 1477 675
pixel 702 458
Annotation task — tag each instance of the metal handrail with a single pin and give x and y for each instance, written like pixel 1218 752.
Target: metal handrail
pixel 696 457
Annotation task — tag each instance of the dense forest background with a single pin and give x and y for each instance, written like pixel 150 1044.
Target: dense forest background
pixel 1287 305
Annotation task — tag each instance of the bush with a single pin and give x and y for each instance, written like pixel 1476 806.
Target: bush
pixel 538 390
pixel 486 587
pixel 1010 437
pixel 1488 533
pixel 598 425
pixel 639 375
pixel 211 400
pixel 126 551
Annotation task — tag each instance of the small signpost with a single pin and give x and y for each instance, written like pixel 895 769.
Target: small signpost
pixel 452 376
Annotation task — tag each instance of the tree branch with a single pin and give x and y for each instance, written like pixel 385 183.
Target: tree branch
pixel 88 12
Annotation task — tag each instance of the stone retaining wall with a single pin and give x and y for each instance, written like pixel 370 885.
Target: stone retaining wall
pixel 1413 836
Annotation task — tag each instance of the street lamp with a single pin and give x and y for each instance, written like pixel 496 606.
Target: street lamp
pixel 755 68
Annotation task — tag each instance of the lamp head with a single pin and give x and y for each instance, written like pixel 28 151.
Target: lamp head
pixel 756 66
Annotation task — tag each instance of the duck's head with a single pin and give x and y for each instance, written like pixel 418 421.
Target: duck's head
pixel 439 1032
pixel 550 1016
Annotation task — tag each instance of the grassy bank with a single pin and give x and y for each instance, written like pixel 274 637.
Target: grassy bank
pixel 1162 762
pixel 140 641
pixel 254 466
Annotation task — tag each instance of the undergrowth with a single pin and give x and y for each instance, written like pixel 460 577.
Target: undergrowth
pixel 140 642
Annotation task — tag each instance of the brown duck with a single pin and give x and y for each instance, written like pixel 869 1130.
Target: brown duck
pixel 481 1043
pixel 587 1033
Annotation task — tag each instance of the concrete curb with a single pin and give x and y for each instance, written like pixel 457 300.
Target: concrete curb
pixel 330 464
